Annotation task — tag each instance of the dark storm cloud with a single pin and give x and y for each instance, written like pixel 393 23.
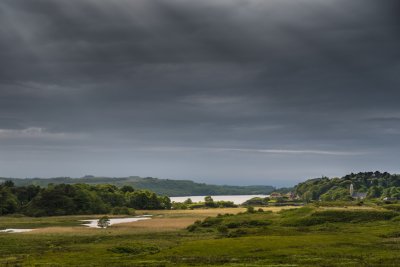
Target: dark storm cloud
pixel 261 85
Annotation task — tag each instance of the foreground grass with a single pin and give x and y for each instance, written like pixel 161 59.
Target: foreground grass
pixel 275 238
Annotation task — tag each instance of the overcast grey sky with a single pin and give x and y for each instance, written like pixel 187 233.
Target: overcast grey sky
pixel 226 92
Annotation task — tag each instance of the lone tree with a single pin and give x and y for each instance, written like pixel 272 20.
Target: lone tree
pixel 209 202
pixel 103 222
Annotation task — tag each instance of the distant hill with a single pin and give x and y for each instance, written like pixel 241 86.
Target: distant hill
pixel 373 184
pixel 166 187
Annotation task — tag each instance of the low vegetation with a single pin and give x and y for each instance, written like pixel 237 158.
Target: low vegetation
pixel 268 236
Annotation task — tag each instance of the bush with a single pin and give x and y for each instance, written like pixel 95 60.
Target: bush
pixel 103 222
pixel 257 223
pixel 256 201
pixel 194 226
pixel 250 209
pixel 225 204
pixel 211 221
pixel 233 225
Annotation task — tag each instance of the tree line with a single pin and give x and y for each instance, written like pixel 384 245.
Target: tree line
pixel 166 187
pixel 74 199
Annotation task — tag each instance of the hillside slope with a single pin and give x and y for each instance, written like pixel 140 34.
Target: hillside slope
pixel 374 184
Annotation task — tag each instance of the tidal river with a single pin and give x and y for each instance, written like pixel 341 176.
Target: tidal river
pixel 238 199
pixel 88 223
pixel 93 223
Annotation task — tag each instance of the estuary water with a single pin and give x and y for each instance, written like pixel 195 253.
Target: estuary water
pixel 89 223
pixel 93 223
pixel 237 199
pixel 12 230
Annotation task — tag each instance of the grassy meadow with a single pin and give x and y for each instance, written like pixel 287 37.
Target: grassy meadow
pixel 306 236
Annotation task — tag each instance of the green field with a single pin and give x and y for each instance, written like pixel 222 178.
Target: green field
pixel 308 236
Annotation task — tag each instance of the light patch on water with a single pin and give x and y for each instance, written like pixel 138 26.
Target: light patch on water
pixel 237 199
pixel 93 223
pixel 11 230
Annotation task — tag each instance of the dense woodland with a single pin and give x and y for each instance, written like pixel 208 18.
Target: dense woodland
pixel 66 199
pixel 82 198
pixel 165 187
pixel 375 184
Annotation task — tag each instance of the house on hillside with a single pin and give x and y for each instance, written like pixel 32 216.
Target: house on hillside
pixel 389 198
pixel 359 195
pixel 275 195
pixel 356 195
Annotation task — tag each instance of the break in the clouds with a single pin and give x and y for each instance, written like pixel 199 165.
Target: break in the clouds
pixel 234 92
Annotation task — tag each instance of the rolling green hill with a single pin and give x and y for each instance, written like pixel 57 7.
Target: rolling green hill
pixel 373 184
pixel 166 187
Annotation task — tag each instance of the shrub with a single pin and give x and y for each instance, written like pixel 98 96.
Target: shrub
pixel 256 201
pixel 192 227
pixel 250 209
pixel 225 204
pixel 103 222
pixel 211 221
pixel 257 223
pixel 222 229
pixel 232 225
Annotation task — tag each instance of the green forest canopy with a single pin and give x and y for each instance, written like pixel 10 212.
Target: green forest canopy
pixel 66 199
pixel 120 198
pixel 374 184
pixel 165 187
